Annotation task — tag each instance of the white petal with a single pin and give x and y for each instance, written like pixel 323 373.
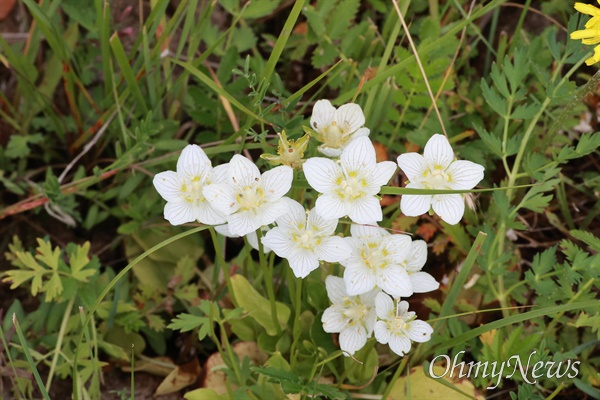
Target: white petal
pixel 359 155
pixel 438 152
pixel 252 239
pixel 398 247
pixel 422 282
pixel 333 249
pixel 369 319
pixel 193 162
pixel 330 206
pixel 353 338
pixel 277 182
pixel 243 222
pixel 221 197
pixel 365 210
pixel 169 185
pixel 224 230
pixel 322 173
pixel 178 213
pixel 360 133
pixel 418 255
pixel 278 240
pixel 324 226
pixel 450 207
pixel 267 213
pixel 209 215
pixel 419 331
pixel 349 117
pixel 322 115
pixel 336 289
pixel 413 165
pixel 382 173
pixel 394 281
pixel 219 174
pixel 413 205
pixel 330 151
pixel 382 333
pixel 384 306
pixel 243 172
pixel 403 310
pixel 464 175
pixel 399 344
pixel 333 320
pixel 359 280
pixel 295 215
pixel 303 263
pixel 369 230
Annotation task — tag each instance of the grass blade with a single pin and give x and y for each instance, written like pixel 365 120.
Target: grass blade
pixel 123 61
pixel 282 40
pixel 32 365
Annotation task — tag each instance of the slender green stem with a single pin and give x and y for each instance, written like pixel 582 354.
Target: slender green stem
pixel 395 377
pixel 221 263
pixel 59 340
pixel 297 326
pixel 34 370
pixel 11 363
pixel 109 287
pixel 268 269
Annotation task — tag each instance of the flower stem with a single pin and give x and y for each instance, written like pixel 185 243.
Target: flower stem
pixel 297 327
pixel 221 263
pixel 59 340
pixel 268 270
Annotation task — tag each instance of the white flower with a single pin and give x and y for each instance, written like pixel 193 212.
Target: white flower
pixel 376 260
pixel 183 190
pixel 421 282
pixel 399 327
pixel 337 128
pixel 304 239
pixel 350 187
pixel 352 316
pixel 437 169
pixel 248 199
pixel 252 237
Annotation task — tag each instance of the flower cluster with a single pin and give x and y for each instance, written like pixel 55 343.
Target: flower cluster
pixel 591 33
pixel 377 264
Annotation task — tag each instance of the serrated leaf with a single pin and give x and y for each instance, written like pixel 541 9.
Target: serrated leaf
pixel 525 111
pixel 339 23
pixel 18 145
pixel 587 238
pixel 187 322
pixel 53 288
pixel 46 255
pixel 491 141
pixel 493 99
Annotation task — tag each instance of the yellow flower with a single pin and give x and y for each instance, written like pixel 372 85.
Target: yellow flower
pixel 591 33
pixel 289 152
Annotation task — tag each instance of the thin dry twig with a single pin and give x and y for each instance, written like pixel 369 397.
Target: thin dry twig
pixel 414 49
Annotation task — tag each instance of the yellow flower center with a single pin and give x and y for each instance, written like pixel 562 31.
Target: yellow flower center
pixel 250 197
pixel 334 136
pixel 352 187
pixel 436 178
pixel 355 311
pixel 395 325
pixel 192 190
pixel 374 256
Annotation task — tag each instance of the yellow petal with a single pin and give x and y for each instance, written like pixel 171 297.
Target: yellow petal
pixel 594 40
pixel 587 9
pixel 592 23
pixel 585 34
pixel 590 61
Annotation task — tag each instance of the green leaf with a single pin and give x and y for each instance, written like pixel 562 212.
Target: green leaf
pixel 257 306
pixel 493 99
pixel 187 322
pixel 53 288
pixel 587 238
pixel 78 259
pixel 47 255
pixel 525 111
pixel 339 23
pixel 18 145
